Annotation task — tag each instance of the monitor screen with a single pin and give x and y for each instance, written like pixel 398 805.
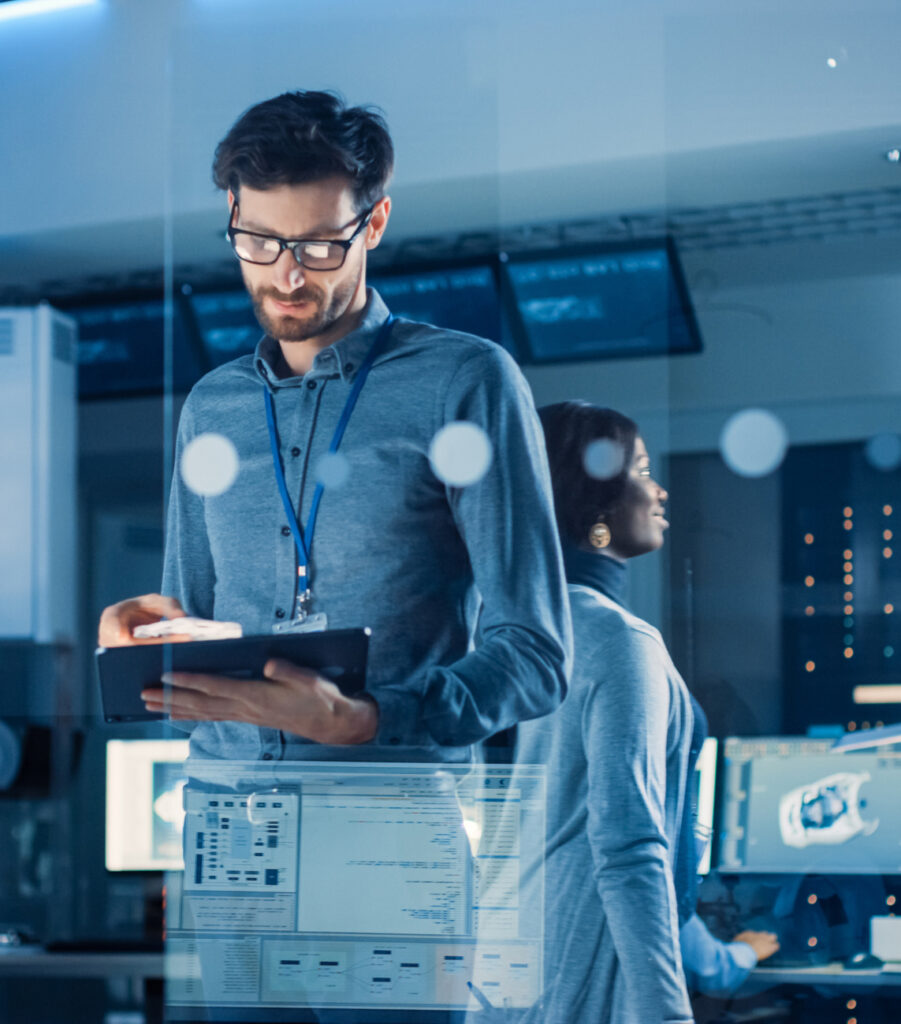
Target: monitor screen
pixel 704 792
pixel 368 890
pixel 789 805
pixel 463 298
pixel 144 813
pixel 225 323
pixel 121 349
pixel 612 302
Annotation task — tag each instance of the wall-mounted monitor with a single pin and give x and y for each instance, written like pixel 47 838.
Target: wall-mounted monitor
pixel 614 301
pixel 144 806
pixel 225 323
pixel 791 805
pixel 122 348
pixel 459 297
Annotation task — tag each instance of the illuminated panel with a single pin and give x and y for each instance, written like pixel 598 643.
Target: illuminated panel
pixel 144 812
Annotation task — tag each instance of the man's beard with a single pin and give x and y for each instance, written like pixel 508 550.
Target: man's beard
pixel 309 324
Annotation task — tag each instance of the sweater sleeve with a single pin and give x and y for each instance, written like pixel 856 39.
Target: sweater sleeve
pixel 520 667
pixel 188 572
pixel 713 967
pixel 625 735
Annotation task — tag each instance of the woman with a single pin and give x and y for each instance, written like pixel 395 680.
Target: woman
pixel 617 752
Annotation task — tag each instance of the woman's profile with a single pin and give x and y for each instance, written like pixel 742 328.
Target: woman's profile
pixel 618 750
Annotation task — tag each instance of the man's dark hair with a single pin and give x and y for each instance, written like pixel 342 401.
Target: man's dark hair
pixel 580 499
pixel 301 137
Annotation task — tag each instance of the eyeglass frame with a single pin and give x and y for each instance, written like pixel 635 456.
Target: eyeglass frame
pixel 292 244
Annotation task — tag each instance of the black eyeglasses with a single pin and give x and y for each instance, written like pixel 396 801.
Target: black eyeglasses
pixel 312 253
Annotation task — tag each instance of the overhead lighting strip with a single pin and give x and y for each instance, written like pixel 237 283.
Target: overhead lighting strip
pixel 26 8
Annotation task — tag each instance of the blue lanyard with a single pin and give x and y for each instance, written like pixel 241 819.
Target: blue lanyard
pixel 303 537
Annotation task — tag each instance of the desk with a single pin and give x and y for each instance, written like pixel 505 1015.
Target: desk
pixel 832 976
pixel 36 962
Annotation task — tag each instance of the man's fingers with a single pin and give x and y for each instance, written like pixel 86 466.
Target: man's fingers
pixel 118 620
pixel 278 668
pixel 179 703
pixel 200 682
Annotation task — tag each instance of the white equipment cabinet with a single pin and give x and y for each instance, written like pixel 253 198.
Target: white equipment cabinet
pixel 38 497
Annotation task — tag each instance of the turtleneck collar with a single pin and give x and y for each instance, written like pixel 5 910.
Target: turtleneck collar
pixel 596 570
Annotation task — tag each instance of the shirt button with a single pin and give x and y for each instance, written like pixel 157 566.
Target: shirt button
pixel 267 757
pixel 348 367
pixel 311 384
pixel 286 531
pixel 295 452
pixel 279 613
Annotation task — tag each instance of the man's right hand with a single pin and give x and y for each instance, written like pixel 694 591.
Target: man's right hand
pixel 764 944
pixel 118 620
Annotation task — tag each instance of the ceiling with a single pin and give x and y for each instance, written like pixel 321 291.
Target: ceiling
pixel 736 127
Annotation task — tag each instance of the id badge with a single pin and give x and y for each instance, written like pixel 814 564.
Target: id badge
pixel 316 623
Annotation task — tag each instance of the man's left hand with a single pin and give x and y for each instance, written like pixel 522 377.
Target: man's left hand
pixel 289 698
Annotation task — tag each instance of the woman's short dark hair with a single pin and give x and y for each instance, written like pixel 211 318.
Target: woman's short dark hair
pixel 580 498
pixel 301 137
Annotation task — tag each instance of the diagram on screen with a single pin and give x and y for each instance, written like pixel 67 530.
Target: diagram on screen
pixel 826 812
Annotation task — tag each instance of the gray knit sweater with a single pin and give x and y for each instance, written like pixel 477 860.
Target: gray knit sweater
pixel 617 762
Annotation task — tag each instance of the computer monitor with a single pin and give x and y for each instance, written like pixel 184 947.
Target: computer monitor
pixel 368 892
pixel 614 301
pixel 458 297
pixel 225 323
pixel 144 813
pixel 704 794
pixel 791 805
pixel 461 297
pixel 122 348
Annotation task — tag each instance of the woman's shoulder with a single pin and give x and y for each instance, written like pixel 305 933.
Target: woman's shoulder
pixel 603 618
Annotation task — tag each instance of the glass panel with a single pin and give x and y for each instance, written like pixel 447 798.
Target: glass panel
pixel 686 213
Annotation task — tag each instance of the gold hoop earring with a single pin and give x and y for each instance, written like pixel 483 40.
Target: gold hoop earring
pixel 599 535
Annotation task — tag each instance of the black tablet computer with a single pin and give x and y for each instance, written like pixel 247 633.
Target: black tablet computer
pixel 338 654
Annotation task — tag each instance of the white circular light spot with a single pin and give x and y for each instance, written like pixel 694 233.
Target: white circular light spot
pixel 883 451
pixel 603 459
pixel 753 442
pixel 209 465
pixel 460 454
pixel 831 62
pixel 332 470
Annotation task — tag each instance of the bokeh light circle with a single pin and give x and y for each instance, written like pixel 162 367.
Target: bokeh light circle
pixel 332 470
pixel 883 451
pixel 460 454
pixel 753 442
pixel 603 459
pixel 209 465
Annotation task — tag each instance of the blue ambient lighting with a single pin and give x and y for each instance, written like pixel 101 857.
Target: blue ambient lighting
pixel 24 8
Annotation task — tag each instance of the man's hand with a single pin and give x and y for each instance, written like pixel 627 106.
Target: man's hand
pixel 290 698
pixel 118 620
pixel 764 944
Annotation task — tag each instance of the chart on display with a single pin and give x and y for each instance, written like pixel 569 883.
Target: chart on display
pixel 356 887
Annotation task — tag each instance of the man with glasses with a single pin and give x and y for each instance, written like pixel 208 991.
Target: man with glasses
pixel 336 518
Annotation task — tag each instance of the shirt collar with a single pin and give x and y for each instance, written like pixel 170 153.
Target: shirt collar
pixel 341 359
